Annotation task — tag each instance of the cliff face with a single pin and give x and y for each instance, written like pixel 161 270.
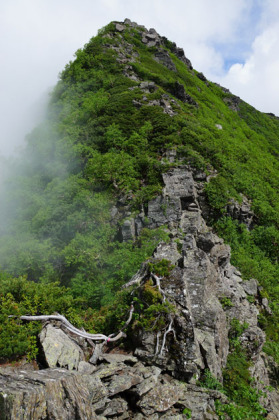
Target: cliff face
pixel 206 295
pixel 159 149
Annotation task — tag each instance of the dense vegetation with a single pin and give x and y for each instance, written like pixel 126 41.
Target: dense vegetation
pixel 60 248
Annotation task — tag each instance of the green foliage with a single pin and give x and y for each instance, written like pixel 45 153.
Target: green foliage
pixel 18 296
pixel 187 412
pixel 210 382
pixel 95 147
pixel 219 193
pixel 226 302
pixel 237 328
pixel 238 412
pixel 238 384
pixel 152 312
pixel 161 268
pixel 32 350
pixel 254 253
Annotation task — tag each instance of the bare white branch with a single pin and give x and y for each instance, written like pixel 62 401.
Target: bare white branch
pixel 74 330
pixel 170 329
pixel 158 284
pixel 157 342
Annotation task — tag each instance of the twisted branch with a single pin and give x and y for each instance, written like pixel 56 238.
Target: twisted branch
pixel 74 330
pixel 158 284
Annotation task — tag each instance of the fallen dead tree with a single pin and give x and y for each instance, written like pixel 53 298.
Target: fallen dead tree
pixel 74 330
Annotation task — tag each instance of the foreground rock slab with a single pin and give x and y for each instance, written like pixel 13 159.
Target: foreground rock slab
pixel 48 394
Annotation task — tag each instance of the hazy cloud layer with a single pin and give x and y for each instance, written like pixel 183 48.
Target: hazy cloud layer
pixel 233 42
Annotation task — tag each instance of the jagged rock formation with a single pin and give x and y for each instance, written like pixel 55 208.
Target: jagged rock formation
pixel 201 279
pixel 146 384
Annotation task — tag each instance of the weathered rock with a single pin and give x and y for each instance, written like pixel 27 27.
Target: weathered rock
pixel 251 287
pixel 128 230
pixel 119 27
pixel 206 292
pixel 160 398
pixel 59 349
pixel 116 407
pixel 86 368
pixel 201 402
pixel 179 52
pixel 53 393
pixel 178 90
pixel 168 252
pixel 163 57
pixel 241 212
pixel 233 102
pixel 202 77
pixel 123 381
pixel 151 379
pixel 117 358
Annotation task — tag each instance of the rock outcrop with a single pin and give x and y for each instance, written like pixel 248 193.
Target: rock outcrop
pixel 198 284
pixel 126 54
pixel 205 292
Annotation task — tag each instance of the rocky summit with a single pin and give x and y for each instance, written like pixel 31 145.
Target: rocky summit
pixel 151 196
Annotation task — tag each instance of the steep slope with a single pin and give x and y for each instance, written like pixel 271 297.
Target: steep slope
pixel 140 149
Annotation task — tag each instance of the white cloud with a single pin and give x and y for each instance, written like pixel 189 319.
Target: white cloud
pixel 256 80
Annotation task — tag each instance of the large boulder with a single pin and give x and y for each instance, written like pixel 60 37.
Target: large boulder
pixel 59 349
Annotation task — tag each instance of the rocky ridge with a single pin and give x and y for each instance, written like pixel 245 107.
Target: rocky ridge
pixel 206 294
pixel 127 55
pixel 158 375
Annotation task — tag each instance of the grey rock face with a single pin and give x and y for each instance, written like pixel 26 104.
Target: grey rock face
pixel 160 398
pixel 202 77
pixel 53 393
pixel 59 349
pixel 163 57
pixel 119 27
pixel 201 279
pixel 241 212
pixel 128 230
pixel 178 90
pixel 151 38
pixel 233 102
pixel 251 287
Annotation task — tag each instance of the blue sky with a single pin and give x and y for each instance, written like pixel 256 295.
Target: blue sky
pixel 247 28
pixel 233 42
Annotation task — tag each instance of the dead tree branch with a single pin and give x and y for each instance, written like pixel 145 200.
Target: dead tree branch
pixel 80 333
pixel 158 284
pixel 170 329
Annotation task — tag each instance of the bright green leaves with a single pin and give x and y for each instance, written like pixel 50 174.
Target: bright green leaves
pixel 18 296
pixel 115 169
pixel 95 102
pixel 125 166
pixel 219 193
